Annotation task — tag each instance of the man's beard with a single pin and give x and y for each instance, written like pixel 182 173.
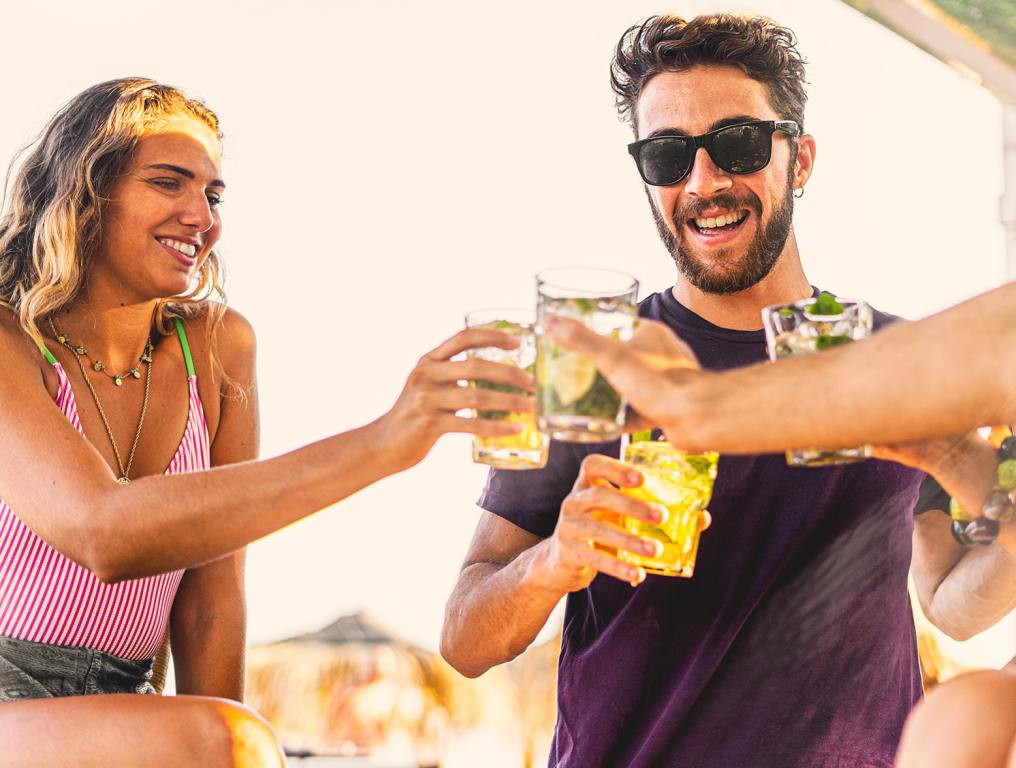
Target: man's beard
pixel 759 258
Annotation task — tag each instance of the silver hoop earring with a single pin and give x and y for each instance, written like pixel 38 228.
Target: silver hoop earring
pixel 799 193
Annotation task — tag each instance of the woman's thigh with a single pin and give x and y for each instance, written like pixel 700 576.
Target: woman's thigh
pixel 133 731
pixel 969 722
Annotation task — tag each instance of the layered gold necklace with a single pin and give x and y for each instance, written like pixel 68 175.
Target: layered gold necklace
pixel 80 352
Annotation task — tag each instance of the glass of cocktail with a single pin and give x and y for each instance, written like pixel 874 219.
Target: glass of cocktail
pixel 528 448
pixel 812 325
pixel 681 482
pixel 573 401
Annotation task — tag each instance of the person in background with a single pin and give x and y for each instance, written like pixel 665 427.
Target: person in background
pixel 794 643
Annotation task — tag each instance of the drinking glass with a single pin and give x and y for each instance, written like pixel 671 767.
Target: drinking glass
pixel 573 401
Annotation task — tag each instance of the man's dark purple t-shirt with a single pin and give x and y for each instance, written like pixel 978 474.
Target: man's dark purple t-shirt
pixel 792 645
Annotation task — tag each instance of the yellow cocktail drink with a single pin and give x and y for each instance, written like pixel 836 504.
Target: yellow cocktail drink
pixel 681 482
pixel 527 449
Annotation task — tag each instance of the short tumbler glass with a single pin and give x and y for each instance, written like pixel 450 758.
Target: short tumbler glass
pixel 809 326
pixel 681 482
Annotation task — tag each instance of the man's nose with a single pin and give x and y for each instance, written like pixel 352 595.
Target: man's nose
pixel 706 178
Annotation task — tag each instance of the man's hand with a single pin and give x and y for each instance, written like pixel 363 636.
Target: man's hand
pixel 588 532
pixel 648 370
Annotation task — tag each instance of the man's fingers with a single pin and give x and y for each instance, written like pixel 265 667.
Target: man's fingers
pixel 597 468
pixel 607 535
pixel 589 501
pixel 603 563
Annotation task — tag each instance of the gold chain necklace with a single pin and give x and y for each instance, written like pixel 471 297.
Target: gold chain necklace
pixel 98 365
pixel 124 476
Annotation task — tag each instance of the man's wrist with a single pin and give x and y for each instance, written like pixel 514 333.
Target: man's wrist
pixel 539 574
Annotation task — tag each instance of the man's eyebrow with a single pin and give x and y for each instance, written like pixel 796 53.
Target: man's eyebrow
pixel 183 172
pixel 735 120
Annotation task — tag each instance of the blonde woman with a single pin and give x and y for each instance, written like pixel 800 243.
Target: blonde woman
pixel 128 413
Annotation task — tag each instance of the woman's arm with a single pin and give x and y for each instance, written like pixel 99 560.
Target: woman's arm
pixel 62 488
pixel 944 375
pixel 209 619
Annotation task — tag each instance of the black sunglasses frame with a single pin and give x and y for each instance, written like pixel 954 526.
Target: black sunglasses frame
pixel 705 141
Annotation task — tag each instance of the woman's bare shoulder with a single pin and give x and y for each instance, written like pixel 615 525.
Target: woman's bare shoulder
pixel 16 346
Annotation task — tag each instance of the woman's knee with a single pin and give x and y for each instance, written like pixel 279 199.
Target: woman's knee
pixel 969 721
pixel 234 736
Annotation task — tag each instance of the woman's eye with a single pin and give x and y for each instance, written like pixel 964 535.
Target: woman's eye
pixel 214 201
pixel 166 183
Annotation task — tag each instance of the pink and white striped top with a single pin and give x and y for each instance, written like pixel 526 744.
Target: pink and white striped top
pixel 47 598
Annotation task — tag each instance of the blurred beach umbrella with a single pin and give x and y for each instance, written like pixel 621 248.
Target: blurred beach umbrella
pixel 355 688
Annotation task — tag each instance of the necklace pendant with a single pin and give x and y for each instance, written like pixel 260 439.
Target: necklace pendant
pixel 81 350
pixel 98 365
pixel 118 381
pixel 62 339
pixel 135 373
pixel 123 480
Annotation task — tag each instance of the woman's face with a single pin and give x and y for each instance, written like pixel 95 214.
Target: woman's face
pixel 162 216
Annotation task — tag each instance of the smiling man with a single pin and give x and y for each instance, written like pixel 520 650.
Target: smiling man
pixel 794 644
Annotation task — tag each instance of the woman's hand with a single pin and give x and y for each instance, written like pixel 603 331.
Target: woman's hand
pixel 433 394
pixel 648 370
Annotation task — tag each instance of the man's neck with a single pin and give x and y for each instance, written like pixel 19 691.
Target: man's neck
pixel 743 311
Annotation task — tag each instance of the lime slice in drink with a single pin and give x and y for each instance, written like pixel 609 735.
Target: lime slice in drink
pixel 571 375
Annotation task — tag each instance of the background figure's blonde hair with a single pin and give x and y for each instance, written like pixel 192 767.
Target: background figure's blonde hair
pixel 51 223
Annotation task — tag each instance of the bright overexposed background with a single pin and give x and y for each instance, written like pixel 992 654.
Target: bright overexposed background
pixel 392 165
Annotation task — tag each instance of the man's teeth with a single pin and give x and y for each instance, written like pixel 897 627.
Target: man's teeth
pixel 185 248
pixel 720 221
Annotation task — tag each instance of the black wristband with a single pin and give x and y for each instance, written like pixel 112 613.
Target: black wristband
pixel 931 496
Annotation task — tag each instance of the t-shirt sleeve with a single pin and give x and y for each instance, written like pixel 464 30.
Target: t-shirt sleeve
pixel 531 498
pixel 931 496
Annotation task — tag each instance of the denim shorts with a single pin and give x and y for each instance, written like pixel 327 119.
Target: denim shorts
pixel 41 671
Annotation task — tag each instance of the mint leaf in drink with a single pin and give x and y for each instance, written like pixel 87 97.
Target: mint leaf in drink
pixel 585 305
pixel 786 312
pixel 643 436
pixel 827 340
pixel 825 304
pixel 500 325
pixel 700 464
pixel 495 415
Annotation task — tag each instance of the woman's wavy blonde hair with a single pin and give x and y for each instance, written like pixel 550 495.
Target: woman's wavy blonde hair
pixel 54 199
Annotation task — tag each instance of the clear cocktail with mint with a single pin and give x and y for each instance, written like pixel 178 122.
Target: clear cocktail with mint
pixel 681 482
pixel 528 448
pixel 809 326
pixel 573 401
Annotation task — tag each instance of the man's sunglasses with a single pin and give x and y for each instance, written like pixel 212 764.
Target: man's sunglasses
pixel 742 148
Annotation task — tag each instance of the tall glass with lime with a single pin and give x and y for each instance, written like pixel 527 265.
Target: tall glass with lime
pixel 573 401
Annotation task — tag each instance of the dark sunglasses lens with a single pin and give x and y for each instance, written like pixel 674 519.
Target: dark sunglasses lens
pixel 665 160
pixel 742 148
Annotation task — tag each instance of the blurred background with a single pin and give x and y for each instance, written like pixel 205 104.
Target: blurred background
pixel 393 165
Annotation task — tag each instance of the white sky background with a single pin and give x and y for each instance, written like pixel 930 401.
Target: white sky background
pixel 392 165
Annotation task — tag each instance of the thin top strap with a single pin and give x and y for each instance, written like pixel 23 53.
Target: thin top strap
pixel 184 346
pixel 48 355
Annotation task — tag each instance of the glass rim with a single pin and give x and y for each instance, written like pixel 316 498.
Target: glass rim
pixel 801 304
pixel 548 277
pixel 505 314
